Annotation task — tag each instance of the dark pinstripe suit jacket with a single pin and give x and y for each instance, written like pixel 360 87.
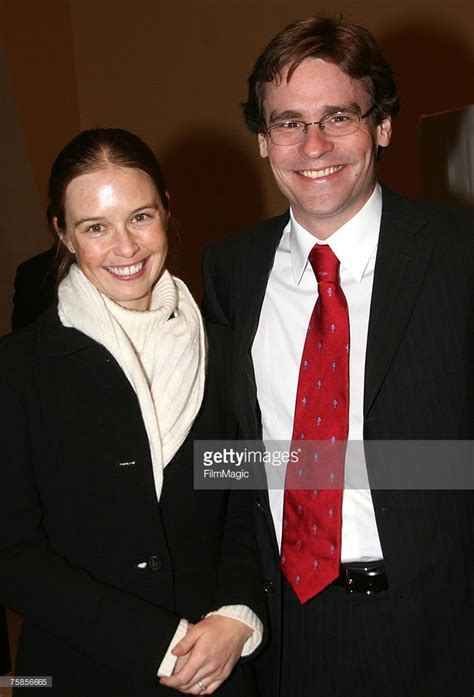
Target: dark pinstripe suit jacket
pixel 419 384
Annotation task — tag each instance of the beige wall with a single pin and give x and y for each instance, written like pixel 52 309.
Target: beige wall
pixel 37 42
pixel 39 112
pixel 175 73
pixel 20 221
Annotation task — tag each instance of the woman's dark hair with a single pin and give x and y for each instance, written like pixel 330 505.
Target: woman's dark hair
pixel 349 46
pixel 89 151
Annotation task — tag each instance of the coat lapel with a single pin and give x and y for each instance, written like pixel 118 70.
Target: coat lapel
pixel 403 255
pixel 57 340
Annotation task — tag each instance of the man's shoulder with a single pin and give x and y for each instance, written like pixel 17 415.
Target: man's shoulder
pixel 268 230
pixel 438 217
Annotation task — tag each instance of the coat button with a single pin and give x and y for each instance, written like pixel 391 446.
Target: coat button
pixel 268 587
pixel 154 563
pixel 259 506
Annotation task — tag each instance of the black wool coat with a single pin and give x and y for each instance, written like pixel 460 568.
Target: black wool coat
pixel 101 572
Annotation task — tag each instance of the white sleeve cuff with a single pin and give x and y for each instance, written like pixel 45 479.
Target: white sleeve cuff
pixel 247 616
pixel 168 663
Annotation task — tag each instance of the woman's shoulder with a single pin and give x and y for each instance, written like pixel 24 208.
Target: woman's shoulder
pixel 18 345
pixel 20 350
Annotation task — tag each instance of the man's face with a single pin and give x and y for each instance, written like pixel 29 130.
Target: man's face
pixel 326 180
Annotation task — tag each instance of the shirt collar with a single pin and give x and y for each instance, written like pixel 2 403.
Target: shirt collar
pixel 354 243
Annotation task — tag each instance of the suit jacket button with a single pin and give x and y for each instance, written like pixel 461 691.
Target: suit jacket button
pixel 268 587
pixel 154 563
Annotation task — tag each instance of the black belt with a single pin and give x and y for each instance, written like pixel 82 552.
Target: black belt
pixel 363 577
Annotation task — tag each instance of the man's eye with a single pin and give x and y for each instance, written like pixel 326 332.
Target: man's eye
pixel 342 117
pixel 289 125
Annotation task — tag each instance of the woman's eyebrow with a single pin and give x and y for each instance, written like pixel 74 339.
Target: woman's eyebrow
pixel 80 222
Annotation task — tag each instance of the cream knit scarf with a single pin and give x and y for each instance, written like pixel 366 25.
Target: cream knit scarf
pixel 161 351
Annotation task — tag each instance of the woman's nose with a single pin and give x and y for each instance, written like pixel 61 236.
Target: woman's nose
pixel 125 243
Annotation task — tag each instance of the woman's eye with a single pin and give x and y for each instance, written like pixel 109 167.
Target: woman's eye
pixel 96 227
pixel 140 217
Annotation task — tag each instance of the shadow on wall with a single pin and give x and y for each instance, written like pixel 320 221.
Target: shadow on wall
pixel 447 155
pixel 215 191
pixel 433 69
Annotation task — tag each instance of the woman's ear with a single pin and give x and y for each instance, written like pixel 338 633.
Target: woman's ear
pixel 62 236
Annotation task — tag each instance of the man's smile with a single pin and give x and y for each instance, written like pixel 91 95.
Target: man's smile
pixel 318 173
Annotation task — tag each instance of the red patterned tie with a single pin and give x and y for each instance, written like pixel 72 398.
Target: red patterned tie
pixel 312 511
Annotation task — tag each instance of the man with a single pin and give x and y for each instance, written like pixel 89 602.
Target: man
pixel 375 598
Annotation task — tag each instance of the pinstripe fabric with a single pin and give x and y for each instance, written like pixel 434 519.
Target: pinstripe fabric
pixel 419 384
pixel 338 645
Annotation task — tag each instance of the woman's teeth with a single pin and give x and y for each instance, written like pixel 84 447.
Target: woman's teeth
pixel 126 270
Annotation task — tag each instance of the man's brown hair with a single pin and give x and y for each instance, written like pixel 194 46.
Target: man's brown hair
pixel 349 46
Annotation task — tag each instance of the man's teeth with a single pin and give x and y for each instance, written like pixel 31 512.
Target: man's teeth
pixel 126 270
pixel 317 173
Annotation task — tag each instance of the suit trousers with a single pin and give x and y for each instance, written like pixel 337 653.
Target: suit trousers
pixel 339 644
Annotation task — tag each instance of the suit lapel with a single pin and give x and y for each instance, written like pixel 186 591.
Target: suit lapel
pixel 261 258
pixel 403 255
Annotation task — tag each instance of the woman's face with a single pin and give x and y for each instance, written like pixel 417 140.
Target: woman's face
pixel 116 225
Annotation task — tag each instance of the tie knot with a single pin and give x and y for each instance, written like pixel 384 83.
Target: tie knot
pixel 325 263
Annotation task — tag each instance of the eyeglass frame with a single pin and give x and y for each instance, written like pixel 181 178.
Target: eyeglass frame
pixel 304 132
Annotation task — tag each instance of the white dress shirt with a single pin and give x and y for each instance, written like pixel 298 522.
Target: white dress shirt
pixel 290 296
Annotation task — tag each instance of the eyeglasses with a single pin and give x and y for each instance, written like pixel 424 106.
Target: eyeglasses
pixel 341 123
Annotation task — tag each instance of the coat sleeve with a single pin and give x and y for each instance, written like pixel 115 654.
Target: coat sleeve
pixel 240 580
pixel 118 631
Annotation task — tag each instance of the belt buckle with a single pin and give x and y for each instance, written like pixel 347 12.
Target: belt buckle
pixel 367 574
pixel 349 581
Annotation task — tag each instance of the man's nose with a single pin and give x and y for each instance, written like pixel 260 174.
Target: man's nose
pixel 315 142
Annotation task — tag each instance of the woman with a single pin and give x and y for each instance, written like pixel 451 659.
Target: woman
pixel 106 550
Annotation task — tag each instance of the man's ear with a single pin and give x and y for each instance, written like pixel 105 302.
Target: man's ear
pixel 384 132
pixel 262 145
